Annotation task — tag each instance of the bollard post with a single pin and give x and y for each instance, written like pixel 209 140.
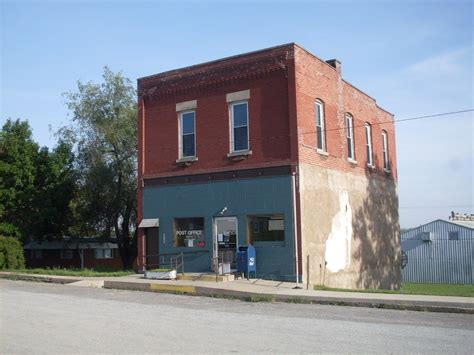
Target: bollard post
pixel 307 272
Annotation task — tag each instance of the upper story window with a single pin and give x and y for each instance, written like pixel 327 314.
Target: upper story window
pixel 187 127
pixel 386 162
pixel 320 126
pixel 240 126
pixel 350 137
pixel 368 136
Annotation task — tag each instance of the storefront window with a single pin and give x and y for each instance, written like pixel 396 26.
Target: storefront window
pixel 269 228
pixel 189 232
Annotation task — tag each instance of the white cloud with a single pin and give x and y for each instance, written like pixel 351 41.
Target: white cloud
pixel 445 63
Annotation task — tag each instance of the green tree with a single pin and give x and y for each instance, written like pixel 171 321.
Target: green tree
pixel 18 154
pixel 55 182
pixel 104 132
pixel 36 185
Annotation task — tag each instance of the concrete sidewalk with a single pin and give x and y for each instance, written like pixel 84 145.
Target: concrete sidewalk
pixel 264 291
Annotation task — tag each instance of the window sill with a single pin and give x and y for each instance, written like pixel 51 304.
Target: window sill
pixel 371 167
pixel 186 161
pixel 240 155
pixel 352 161
pixel 322 152
pixel 388 172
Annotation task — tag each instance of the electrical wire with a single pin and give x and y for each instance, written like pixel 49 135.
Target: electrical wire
pixel 403 120
pixel 280 137
pixel 445 206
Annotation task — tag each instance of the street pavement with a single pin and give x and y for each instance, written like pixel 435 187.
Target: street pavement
pixel 52 318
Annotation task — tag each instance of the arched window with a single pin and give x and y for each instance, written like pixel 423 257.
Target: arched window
pixel 350 137
pixel 368 137
pixel 320 126
pixel 386 162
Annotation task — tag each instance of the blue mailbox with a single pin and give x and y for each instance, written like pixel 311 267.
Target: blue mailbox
pixel 246 260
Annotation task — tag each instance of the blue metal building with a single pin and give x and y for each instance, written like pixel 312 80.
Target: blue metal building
pixel 439 252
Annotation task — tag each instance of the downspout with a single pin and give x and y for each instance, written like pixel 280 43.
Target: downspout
pixel 142 233
pixel 295 230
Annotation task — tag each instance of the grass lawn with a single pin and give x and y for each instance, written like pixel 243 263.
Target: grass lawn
pixel 76 272
pixel 418 289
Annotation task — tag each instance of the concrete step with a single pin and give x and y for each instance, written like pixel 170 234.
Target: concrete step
pixel 205 277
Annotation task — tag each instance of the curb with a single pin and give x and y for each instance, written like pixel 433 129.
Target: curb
pixel 38 278
pixel 421 306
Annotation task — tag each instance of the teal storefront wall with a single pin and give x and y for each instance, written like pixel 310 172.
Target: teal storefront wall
pixel 266 195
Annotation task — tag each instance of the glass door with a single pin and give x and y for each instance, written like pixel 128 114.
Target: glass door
pixel 225 240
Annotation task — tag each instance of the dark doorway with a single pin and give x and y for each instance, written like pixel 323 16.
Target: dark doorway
pixel 152 249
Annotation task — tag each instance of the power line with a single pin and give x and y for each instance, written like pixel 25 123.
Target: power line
pixel 445 206
pixel 435 115
pixel 402 120
pixel 253 140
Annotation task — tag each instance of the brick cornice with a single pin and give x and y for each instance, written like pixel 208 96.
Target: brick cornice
pixel 216 74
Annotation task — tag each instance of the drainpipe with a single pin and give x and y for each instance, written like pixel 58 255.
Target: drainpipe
pixel 295 230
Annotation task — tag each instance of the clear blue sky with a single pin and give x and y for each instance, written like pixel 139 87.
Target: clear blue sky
pixel 415 58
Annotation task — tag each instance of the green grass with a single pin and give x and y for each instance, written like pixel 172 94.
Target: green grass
pixel 417 289
pixel 98 272
pixel 260 298
pixel 160 270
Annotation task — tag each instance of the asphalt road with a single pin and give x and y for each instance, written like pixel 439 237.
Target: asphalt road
pixel 59 319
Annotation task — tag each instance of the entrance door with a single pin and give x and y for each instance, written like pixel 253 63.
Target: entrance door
pixel 152 248
pixel 225 240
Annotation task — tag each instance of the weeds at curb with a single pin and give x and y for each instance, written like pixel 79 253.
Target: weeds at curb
pixel 260 298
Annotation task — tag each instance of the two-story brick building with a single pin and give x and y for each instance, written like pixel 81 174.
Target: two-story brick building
pixel 270 148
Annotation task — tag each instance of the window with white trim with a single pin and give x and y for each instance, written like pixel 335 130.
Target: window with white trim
pixel 187 136
pixel 368 136
pixel 239 116
pixel 350 137
pixel 320 126
pixel 103 253
pixel 386 162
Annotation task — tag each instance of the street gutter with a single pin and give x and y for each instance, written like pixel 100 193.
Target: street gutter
pixel 248 296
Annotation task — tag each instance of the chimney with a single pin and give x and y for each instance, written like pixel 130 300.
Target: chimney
pixel 335 63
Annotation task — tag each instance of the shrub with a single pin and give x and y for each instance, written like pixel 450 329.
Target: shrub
pixel 11 253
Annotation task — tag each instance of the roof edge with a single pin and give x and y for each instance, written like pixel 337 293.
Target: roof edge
pixel 196 66
pixel 438 220
pixel 344 80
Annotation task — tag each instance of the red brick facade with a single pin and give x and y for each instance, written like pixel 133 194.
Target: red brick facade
pixel 52 258
pixel 316 79
pixel 284 83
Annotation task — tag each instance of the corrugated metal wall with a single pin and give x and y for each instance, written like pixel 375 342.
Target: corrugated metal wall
pixel 440 260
